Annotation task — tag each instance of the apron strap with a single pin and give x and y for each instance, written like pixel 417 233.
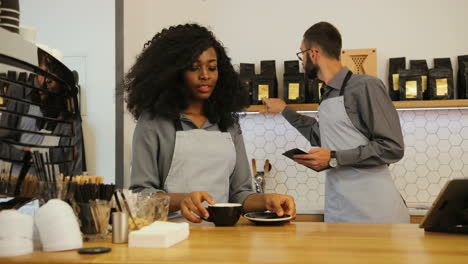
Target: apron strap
pixel 345 81
pixel 178 125
pixel 343 85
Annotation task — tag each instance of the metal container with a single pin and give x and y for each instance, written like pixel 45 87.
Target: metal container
pixel 119 227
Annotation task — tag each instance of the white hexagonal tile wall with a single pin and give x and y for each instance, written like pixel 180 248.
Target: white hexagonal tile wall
pixel 420 121
pixel 422 171
pixel 291 183
pixel 436 150
pixel 280 130
pixel 281 177
pixel 411 189
pixel 455 140
pixel 270 148
pixel 291 171
pixel 270 136
pixel 454 115
pixel 443 145
pixel 270 123
pixel 454 127
pixel 302 189
pixel 444 158
pixel 433 177
pixel 464 133
pixel 313 183
pixel 281 188
pixel 312 196
pixel 411 177
pixel 432 127
pixel 248 124
pixel 431 115
pixel 423 196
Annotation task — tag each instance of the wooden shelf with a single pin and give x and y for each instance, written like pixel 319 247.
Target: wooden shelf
pixel 398 105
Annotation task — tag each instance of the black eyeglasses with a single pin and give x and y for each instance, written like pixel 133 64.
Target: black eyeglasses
pixel 300 54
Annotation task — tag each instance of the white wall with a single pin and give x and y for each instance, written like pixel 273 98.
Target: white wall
pixel 273 29
pixel 84 31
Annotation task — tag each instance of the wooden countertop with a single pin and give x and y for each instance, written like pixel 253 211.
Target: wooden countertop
pixel 297 242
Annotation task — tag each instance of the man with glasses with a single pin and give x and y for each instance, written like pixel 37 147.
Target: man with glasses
pixel 359 135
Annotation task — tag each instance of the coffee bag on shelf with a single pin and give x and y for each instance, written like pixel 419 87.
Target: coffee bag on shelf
pixel 440 84
pixel 395 65
pixel 421 66
pixel 411 84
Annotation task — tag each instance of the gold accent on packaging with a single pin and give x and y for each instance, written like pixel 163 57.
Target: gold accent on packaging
pixel 396 80
pixel 441 87
pixel 411 89
pixel 293 91
pixel 263 91
pixel 424 83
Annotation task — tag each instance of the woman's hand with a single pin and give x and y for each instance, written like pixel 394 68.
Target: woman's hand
pixel 192 204
pixel 280 204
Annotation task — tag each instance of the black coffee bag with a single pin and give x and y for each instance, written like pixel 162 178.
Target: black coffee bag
pixel 395 65
pixel 265 85
pixel 294 84
pixel 461 78
pixel 440 84
pixel 443 63
pixel 421 66
pixel 411 84
pixel 246 73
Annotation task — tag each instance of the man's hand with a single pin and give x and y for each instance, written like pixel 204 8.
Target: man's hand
pixel 273 106
pixel 317 158
pixel 280 204
pixel 192 204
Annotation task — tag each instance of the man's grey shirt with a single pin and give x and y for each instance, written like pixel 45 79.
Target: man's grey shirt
pixel 153 148
pixel 370 110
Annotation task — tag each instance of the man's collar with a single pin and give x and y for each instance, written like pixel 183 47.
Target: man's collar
pixel 338 79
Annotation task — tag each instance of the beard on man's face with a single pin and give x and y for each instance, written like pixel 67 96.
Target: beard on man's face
pixel 311 69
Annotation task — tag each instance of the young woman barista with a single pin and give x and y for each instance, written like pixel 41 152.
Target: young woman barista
pixel 187 143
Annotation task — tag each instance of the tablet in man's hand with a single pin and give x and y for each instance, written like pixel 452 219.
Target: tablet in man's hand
pixel 295 151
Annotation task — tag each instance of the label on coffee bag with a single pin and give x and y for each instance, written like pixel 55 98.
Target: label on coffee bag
pixel 411 88
pixel 293 91
pixel 396 80
pixel 263 91
pixel 441 87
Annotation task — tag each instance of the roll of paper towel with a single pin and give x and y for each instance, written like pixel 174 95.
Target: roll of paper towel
pixel 16 233
pixel 58 227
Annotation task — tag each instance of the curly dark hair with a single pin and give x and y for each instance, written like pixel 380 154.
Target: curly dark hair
pixel 155 84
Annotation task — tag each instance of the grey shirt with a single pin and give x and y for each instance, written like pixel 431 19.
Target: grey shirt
pixel 371 111
pixel 153 148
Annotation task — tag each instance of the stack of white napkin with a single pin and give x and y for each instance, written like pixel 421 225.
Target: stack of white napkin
pixel 16 233
pixel 159 235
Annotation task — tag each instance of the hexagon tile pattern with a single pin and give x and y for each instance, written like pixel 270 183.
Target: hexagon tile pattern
pixel 436 150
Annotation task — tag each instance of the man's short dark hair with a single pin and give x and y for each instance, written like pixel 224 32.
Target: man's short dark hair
pixel 326 36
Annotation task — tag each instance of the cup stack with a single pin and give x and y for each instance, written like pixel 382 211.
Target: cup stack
pixel 16 233
pixel 58 226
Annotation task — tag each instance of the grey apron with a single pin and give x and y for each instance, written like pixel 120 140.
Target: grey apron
pixel 202 161
pixel 355 194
